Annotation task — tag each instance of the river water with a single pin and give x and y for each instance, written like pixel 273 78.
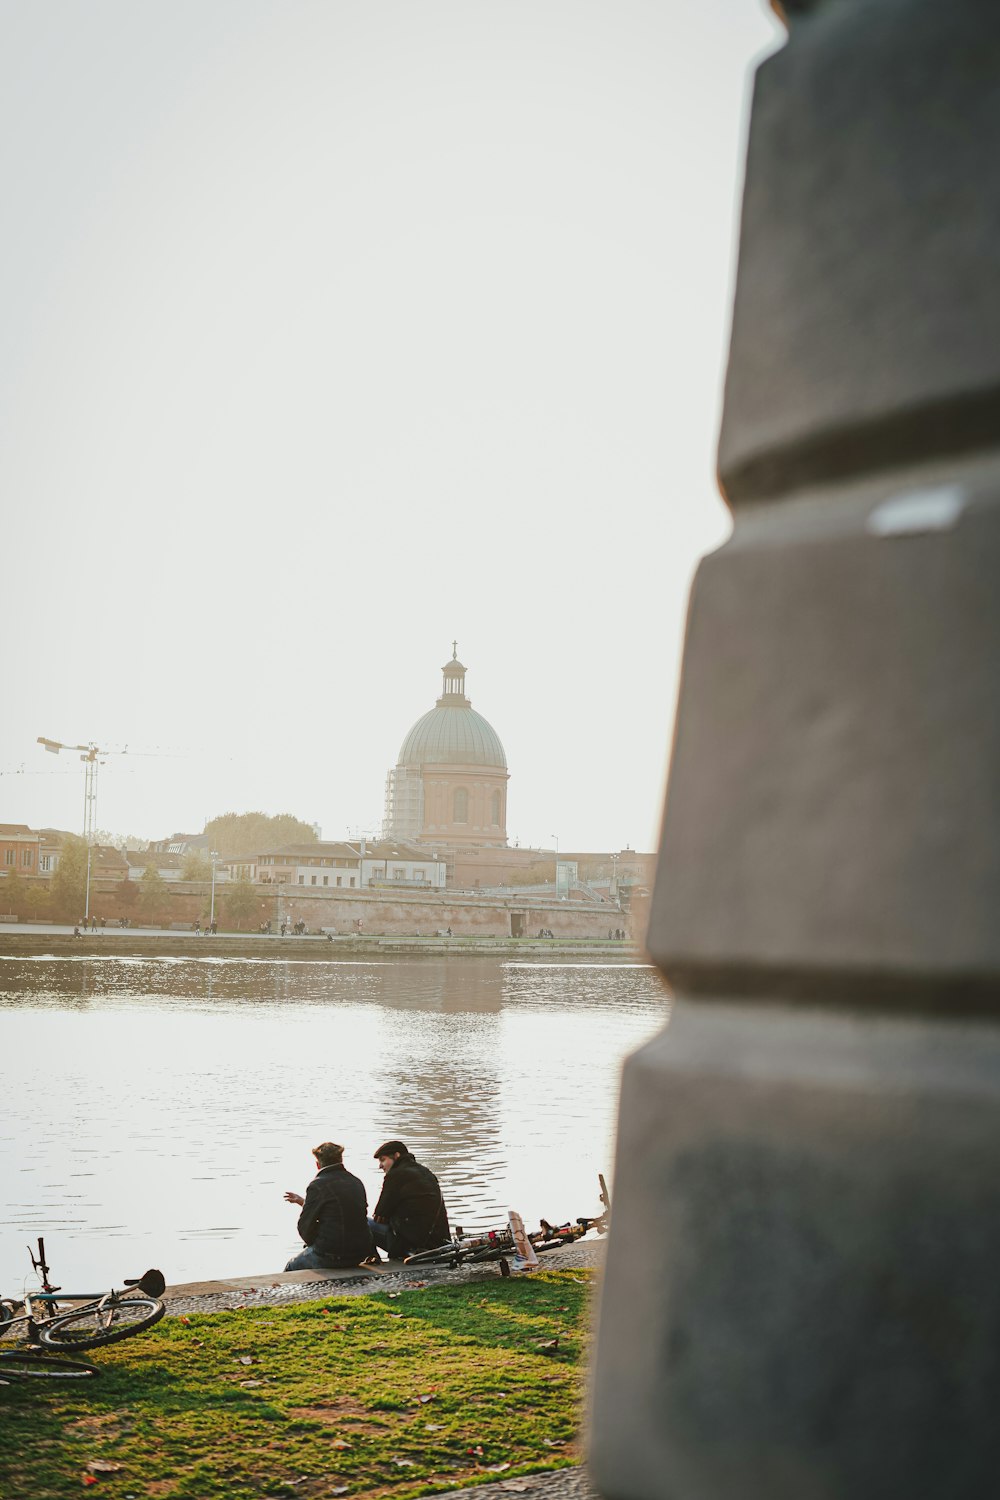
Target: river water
pixel 156 1109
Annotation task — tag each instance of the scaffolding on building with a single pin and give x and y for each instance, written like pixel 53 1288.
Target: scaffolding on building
pixel 404 803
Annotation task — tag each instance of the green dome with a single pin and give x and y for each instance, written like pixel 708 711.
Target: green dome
pixel 455 735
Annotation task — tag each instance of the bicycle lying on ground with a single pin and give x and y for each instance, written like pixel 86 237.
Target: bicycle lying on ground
pixel 34 1364
pixel 92 1320
pixel 511 1242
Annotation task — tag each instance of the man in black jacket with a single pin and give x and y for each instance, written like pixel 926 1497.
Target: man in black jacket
pixel 410 1213
pixel 334 1217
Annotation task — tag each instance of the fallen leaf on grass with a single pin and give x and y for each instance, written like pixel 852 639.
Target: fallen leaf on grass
pixel 339 1443
pixel 547 1346
pixel 433 1426
pixel 340 1489
pixel 183 1320
pixel 554 1442
pixel 477 1451
pixel 250 1384
pixel 496 1468
pixel 403 1463
pixel 245 1359
pixel 104 1466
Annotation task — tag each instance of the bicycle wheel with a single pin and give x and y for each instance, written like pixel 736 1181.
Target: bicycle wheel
pixel 43 1367
pixel 490 1252
pixel 7 1310
pixel 441 1255
pixel 101 1323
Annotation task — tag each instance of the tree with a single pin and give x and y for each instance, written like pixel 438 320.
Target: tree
pixel 195 867
pixel 245 833
pixel 69 883
pixel 128 895
pixel 152 893
pixel 120 841
pixel 13 891
pixel 36 901
pixel 240 902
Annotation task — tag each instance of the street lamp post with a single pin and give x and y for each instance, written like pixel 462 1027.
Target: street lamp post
pixel 211 917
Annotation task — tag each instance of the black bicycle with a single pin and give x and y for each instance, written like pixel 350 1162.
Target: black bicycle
pixel 92 1320
pixel 501 1245
pixel 34 1364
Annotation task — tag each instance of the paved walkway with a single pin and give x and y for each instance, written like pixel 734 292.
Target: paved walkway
pixel 561 1484
pixel 275 1289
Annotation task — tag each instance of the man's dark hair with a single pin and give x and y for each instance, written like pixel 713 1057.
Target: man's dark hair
pixel 389 1148
pixel 328 1154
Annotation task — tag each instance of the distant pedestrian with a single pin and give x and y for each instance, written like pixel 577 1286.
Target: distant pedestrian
pixel 76 932
pixel 103 922
pixel 93 924
pixel 214 927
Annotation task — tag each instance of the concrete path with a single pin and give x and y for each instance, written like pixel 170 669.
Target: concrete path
pixel 274 1289
pixel 562 1484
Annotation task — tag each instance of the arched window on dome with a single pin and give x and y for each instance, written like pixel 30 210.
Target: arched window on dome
pixel 460 812
pixel 495 810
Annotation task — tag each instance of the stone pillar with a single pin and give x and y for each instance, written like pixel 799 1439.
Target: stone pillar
pixel 802 1299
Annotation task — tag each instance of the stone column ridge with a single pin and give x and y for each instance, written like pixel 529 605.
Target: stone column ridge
pixel 866 325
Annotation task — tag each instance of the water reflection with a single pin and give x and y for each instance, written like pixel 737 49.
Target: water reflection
pixel 159 1108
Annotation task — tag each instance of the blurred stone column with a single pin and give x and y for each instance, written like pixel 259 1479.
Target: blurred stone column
pixel 802 1298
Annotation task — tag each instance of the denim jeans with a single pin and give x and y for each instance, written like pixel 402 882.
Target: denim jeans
pixel 380 1234
pixel 308 1260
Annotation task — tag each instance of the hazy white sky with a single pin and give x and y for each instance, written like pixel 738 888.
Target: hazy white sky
pixel 332 332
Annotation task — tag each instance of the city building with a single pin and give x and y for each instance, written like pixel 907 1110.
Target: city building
pixel 449 785
pixel 329 865
pixel 20 850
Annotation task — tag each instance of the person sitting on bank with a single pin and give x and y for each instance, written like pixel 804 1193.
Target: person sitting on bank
pixel 410 1213
pixel 334 1218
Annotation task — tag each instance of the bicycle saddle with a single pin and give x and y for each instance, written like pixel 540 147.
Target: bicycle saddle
pixel 151 1282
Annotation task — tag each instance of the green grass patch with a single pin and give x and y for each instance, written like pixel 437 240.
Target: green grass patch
pixel 403 1395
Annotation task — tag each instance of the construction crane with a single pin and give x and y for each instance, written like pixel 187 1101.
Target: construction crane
pixel 92 758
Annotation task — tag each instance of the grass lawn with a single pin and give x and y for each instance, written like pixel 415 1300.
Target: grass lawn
pixel 402 1395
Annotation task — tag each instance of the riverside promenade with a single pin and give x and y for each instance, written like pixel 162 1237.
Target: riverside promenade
pixel 35 938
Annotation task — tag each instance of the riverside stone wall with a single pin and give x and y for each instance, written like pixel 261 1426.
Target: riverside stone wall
pixel 384 912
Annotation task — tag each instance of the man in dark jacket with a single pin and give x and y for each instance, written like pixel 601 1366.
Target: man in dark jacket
pixel 334 1217
pixel 410 1213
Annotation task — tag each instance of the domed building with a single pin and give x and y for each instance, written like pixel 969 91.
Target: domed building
pixel 449 785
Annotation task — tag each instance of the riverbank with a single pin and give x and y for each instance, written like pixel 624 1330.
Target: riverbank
pixel 38 939
pixel 422 1391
